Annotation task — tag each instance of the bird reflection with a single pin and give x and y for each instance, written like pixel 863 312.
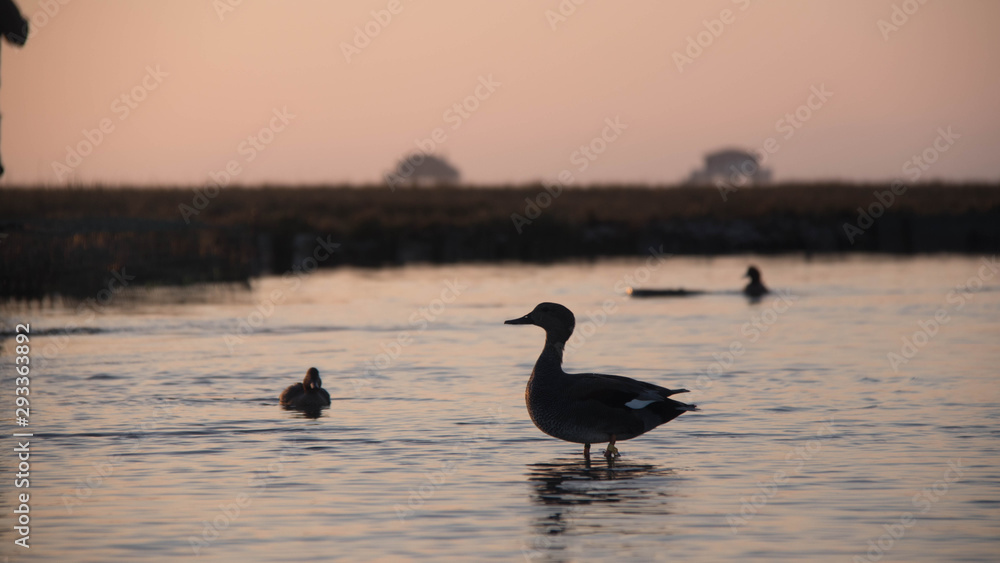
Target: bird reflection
pixel 576 497
pixel 305 412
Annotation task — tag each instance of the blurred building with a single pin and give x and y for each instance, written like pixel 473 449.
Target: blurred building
pixel 731 166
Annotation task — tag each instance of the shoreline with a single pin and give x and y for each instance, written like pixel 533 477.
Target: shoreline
pixel 71 240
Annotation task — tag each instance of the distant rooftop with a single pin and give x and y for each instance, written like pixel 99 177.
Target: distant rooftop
pixel 731 166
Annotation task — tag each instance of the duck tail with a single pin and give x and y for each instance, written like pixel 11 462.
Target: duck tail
pixel 683 407
pixel 670 409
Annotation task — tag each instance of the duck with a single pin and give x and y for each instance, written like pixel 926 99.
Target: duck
pixel 755 288
pixel 589 408
pixel 308 395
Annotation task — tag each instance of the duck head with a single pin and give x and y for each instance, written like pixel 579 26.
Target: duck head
pixel 753 273
pixel 312 380
pixel 558 321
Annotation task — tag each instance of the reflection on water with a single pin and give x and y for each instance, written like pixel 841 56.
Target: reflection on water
pixel 580 497
pixel 306 412
pixel 160 439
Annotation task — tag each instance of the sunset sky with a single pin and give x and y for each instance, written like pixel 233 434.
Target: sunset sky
pixel 507 91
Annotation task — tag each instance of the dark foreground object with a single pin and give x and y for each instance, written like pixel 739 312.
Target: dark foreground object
pixel 589 408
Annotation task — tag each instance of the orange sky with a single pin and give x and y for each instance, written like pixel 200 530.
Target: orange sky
pixel 199 81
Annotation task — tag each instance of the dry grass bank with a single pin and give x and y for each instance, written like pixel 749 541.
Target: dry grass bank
pixel 347 209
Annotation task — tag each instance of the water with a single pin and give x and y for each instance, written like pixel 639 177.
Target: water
pixel 159 438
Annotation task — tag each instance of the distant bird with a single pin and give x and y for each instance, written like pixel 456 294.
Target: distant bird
pixel 308 395
pixel 755 288
pixel 589 408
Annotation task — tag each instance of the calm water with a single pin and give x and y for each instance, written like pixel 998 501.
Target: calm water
pixel 158 435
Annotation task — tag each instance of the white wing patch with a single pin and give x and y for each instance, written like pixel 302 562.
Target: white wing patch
pixel 638 403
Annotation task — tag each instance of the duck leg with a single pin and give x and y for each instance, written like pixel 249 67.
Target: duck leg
pixel 612 451
pixel 586 450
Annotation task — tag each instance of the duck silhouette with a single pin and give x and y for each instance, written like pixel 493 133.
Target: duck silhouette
pixel 308 395
pixel 589 408
pixel 755 288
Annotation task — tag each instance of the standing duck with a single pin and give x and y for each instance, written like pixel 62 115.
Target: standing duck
pixel 589 408
pixel 755 288
pixel 308 395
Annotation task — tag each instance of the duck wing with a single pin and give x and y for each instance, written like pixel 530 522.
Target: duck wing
pixel 617 406
pixel 619 389
pixel 292 393
pixel 626 394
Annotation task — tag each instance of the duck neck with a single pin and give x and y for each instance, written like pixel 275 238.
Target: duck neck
pixel 550 361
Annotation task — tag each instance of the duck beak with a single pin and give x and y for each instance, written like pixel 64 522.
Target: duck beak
pixel 525 320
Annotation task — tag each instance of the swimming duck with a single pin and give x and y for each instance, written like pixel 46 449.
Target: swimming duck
pixel 308 395
pixel 755 288
pixel 589 408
